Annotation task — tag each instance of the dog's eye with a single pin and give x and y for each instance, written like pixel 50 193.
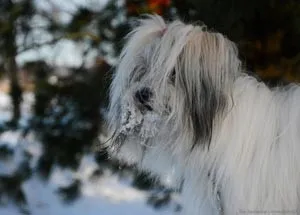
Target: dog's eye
pixel 143 96
pixel 172 76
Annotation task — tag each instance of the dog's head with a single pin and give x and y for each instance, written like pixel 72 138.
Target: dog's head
pixel 172 83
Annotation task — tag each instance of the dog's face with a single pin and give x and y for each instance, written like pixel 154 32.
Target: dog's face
pixel 170 86
pixel 137 117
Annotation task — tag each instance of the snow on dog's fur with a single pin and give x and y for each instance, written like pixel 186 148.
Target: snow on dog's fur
pixel 181 106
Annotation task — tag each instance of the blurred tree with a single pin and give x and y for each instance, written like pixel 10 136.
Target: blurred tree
pixel 65 118
pixel 267 32
pixel 67 109
pixel 14 18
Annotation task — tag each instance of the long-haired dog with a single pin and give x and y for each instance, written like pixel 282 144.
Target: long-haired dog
pixel 181 106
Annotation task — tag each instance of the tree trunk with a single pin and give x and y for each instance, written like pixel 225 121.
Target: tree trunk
pixel 11 68
pixel 15 89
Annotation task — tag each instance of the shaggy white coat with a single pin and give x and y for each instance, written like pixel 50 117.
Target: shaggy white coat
pixel 233 142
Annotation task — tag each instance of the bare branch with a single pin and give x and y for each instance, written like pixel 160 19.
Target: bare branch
pixel 79 35
pixel 39 45
pixel 71 36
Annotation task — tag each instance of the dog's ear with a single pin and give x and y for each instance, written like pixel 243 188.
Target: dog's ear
pixel 204 76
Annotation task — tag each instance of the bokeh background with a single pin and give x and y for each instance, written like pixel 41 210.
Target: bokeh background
pixel 56 62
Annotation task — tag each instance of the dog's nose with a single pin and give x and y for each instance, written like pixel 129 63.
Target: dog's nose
pixel 143 95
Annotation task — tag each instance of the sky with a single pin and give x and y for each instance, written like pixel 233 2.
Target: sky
pixel 66 52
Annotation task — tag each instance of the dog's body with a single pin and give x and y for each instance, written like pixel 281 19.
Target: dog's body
pixel 181 107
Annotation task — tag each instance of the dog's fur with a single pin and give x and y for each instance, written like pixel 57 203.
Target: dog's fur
pixel 182 107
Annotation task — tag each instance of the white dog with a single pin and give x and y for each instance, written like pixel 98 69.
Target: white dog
pixel 181 106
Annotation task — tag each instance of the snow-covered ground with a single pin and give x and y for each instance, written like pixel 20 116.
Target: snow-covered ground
pixel 106 195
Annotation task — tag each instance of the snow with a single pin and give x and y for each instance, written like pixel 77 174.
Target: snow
pixel 106 195
pixel 133 120
pixel 5 107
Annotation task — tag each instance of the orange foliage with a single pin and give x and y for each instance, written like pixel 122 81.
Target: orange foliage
pixel 158 6
pixel 159 3
pixel 149 6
